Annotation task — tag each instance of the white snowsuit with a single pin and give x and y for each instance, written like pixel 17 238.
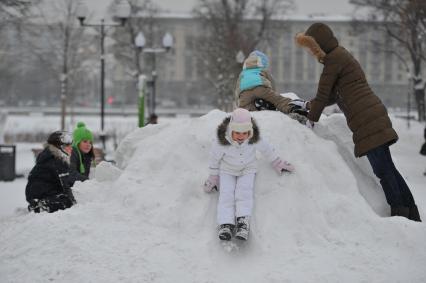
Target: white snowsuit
pixel 236 166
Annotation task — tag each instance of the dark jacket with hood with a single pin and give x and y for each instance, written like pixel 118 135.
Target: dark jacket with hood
pixel 343 82
pixel 86 160
pixel 51 175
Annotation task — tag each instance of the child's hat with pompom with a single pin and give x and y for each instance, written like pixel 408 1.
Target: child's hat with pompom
pixel 81 133
pixel 256 59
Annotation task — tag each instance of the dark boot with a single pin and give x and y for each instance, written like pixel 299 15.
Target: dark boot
pixel 414 214
pixel 225 231
pixel 34 206
pixel 400 211
pixel 243 228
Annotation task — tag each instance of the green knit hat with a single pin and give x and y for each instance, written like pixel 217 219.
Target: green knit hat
pixel 81 133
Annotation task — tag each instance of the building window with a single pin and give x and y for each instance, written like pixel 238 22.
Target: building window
pixel 363 46
pixel 311 68
pixel 389 57
pixel 375 70
pixel 287 56
pixel 299 64
pixel 188 53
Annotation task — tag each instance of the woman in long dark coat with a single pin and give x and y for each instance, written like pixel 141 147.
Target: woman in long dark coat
pixel 343 82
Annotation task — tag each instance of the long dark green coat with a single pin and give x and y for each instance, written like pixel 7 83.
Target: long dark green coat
pixel 343 82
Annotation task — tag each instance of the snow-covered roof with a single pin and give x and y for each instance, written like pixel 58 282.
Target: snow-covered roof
pixel 295 17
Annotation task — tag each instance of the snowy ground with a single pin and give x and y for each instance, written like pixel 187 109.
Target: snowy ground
pixel 150 221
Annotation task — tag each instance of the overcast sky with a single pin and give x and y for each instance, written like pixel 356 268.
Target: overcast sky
pixel 304 7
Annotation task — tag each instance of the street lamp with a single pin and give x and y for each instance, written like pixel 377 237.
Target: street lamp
pixel 63 80
pixel 410 83
pixel 167 43
pixel 122 12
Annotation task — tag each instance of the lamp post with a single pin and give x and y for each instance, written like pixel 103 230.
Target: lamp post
pixel 167 45
pixel 63 80
pixel 410 81
pixel 122 10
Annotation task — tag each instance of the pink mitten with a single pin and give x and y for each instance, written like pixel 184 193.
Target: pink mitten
pixel 211 184
pixel 282 166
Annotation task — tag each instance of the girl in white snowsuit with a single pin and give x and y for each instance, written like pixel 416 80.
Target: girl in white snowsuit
pixel 233 164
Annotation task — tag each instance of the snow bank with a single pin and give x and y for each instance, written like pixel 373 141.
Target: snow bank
pixel 152 222
pixel 3 117
pixel 19 129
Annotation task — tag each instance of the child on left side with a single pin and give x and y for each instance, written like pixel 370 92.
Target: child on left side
pixel 233 165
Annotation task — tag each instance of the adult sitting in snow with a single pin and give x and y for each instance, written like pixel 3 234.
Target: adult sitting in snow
pixel 50 181
pixel 82 154
pixel 343 82
pixel 255 89
pixel 233 165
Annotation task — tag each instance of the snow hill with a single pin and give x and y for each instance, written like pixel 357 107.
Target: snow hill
pixel 150 221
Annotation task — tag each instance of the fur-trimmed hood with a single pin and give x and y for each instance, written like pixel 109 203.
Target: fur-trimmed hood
pixel 222 130
pixel 319 39
pixel 53 152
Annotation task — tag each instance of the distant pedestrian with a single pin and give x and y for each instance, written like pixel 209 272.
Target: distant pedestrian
pixel 419 93
pixel 343 82
pixel 153 119
pixel 82 156
pixel 50 180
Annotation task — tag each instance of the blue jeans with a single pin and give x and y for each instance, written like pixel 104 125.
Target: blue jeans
pixel 396 190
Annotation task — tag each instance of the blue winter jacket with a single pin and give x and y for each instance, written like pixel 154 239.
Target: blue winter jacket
pixel 250 78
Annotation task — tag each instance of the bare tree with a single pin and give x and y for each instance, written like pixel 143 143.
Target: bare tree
pixel 12 18
pixel 405 22
pixel 135 61
pixel 56 41
pixel 144 21
pixel 231 26
pixel 11 10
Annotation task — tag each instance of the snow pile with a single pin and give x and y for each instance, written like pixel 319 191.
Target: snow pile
pixel 150 221
pixel 3 117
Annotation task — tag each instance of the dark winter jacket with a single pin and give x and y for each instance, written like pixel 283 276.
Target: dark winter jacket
pixel 343 82
pixel 51 175
pixel 86 160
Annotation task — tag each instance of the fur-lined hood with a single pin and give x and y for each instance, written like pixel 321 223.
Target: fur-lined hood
pixel 319 39
pixel 222 130
pixel 54 152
